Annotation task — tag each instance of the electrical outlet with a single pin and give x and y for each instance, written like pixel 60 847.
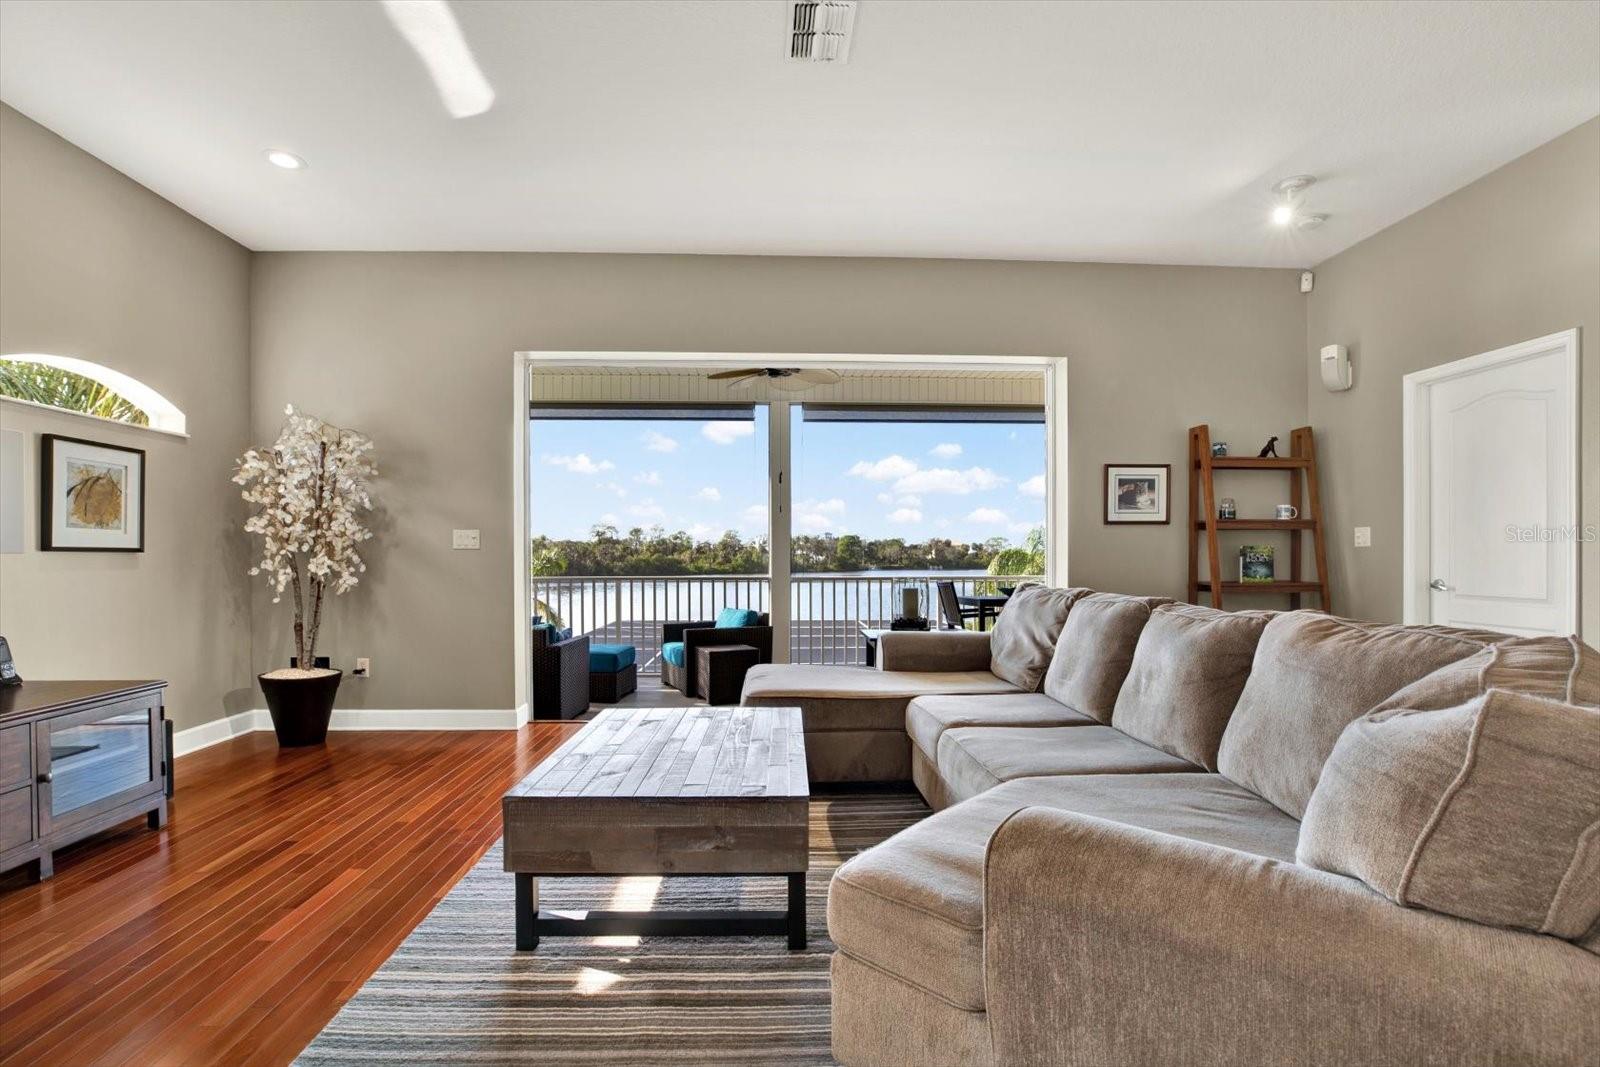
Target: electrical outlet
pixel 363 667
pixel 1363 537
pixel 465 539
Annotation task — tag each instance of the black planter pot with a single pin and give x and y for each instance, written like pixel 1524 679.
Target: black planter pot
pixel 300 707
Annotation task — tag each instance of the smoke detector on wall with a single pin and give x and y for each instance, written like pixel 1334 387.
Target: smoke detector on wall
pixel 819 31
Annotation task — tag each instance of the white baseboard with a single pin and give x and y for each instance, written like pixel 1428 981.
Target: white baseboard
pixel 217 730
pixel 207 734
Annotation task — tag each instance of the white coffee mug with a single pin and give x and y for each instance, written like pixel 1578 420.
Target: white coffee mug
pixel 1288 511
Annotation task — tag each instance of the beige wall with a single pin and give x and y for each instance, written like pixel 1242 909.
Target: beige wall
pixel 416 349
pixel 95 266
pixel 1513 256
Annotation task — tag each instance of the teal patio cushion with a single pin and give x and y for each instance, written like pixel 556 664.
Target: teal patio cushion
pixel 609 659
pixel 733 618
pixel 673 653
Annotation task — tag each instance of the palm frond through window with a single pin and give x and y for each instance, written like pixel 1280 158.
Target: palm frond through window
pixel 64 389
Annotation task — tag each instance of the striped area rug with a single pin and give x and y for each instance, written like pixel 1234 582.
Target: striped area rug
pixel 456 991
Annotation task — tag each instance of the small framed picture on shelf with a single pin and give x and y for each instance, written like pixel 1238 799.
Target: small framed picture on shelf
pixel 92 496
pixel 1138 493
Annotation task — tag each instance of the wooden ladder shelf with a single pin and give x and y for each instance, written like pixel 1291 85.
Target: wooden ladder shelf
pixel 1304 493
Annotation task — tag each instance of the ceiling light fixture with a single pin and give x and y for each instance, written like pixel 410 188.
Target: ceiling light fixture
pixel 1289 190
pixel 431 29
pixel 287 160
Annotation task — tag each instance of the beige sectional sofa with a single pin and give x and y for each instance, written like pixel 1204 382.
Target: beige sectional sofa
pixel 1174 835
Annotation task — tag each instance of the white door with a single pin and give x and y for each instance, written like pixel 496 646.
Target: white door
pixel 1495 452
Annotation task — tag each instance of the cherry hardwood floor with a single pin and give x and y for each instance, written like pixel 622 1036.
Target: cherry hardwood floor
pixel 281 882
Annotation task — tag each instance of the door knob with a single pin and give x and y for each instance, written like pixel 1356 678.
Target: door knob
pixel 1438 584
pixel 46 777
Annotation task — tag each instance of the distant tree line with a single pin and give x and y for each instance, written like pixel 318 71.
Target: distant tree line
pixel 656 551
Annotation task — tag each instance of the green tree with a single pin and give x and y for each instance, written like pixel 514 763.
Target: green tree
pixel 58 388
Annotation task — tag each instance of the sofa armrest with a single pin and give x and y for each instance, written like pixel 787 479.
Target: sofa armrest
pixel 933 650
pixel 1105 943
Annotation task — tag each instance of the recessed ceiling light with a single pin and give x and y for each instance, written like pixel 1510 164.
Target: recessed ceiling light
pixel 287 160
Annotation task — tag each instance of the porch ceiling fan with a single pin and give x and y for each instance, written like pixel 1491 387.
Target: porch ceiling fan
pixel 793 379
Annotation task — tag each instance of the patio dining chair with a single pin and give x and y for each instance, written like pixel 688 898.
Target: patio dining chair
pixel 955 615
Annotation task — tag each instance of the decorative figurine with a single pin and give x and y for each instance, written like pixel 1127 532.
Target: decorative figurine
pixel 1219 449
pixel 1269 449
pixel 1227 509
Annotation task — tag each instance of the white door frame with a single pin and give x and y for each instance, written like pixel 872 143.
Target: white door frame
pixel 1417 530
pixel 1055 417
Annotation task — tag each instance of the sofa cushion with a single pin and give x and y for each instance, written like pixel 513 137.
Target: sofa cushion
pixel 913 906
pixel 1025 634
pixel 1489 811
pixel 1312 676
pixel 673 653
pixel 1558 668
pixel 928 717
pixel 975 759
pixel 609 659
pixel 1189 666
pixel 1095 650
pixel 856 698
pixel 736 618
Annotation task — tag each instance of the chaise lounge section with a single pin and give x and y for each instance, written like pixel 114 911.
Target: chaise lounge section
pixel 1164 850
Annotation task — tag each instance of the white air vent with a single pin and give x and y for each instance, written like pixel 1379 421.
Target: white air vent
pixel 819 30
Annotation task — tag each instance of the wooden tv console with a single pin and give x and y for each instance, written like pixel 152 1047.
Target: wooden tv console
pixel 77 758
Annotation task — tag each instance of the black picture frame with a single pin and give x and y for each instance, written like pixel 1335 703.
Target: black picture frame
pixel 48 493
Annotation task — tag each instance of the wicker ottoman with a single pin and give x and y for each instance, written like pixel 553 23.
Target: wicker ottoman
pixel 613 672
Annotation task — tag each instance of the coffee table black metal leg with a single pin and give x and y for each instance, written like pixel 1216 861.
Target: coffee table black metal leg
pixel 527 913
pixel 797 910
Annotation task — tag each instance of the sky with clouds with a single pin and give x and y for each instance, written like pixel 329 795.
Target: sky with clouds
pixel 964 481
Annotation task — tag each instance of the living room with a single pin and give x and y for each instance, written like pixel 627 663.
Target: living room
pixel 1146 454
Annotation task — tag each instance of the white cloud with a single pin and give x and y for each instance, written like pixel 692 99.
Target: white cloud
pixel 647 509
pixel 726 433
pixel 883 470
pixel 703 531
pixel 989 517
pixel 905 515
pixel 710 492
pixel 659 442
pixel 648 478
pixel 1033 486
pixel 580 464
pixel 831 506
pixel 948 480
pixel 610 519
pixel 755 516
pixel 613 487
pixel 812 522
pixel 947 450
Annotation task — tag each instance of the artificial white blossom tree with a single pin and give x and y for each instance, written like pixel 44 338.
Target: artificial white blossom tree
pixel 309 490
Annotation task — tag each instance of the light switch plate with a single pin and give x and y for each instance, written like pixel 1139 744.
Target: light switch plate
pixel 1363 537
pixel 465 539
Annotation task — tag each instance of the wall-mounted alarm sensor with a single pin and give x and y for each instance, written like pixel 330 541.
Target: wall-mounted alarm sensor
pixel 1307 280
pixel 1336 374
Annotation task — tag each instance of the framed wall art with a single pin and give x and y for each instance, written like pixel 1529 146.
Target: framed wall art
pixel 91 496
pixel 1138 493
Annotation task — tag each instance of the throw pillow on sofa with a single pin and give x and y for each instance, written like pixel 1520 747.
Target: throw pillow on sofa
pixel 1024 636
pixel 1189 666
pixel 1489 811
pixel 1095 651
pixel 1313 675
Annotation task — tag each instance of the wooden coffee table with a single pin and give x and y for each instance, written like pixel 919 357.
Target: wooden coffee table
pixel 665 791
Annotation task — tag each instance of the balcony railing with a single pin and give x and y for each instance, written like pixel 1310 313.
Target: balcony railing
pixel 826 611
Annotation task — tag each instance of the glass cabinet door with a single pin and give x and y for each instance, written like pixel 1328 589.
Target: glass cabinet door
pixel 98 756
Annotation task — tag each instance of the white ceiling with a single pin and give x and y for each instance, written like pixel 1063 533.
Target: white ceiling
pixel 1144 132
